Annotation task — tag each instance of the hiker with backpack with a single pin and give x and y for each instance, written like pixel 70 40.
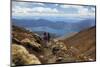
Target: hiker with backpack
pixel 46 38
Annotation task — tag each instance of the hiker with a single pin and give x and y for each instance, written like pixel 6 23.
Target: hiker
pixel 46 38
pixel 48 34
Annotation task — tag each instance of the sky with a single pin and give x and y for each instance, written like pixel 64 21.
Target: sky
pixel 33 10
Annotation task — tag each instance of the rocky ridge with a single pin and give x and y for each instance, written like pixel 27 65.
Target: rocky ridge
pixel 29 48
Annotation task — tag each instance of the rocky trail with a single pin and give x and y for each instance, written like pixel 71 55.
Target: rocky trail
pixel 29 48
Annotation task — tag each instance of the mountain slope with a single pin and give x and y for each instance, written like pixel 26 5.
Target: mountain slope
pixel 75 48
pixel 83 44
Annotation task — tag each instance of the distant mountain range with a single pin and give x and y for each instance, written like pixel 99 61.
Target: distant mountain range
pixel 55 27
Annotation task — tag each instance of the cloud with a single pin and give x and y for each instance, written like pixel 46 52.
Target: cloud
pixel 65 6
pixel 56 4
pixel 26 4
pixel 22 9
pixel 40 4
pixel 19 11
pixel 43 9
pixel 81 10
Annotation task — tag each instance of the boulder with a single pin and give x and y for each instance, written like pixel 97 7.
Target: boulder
pixel 20 56
pixel 31 44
